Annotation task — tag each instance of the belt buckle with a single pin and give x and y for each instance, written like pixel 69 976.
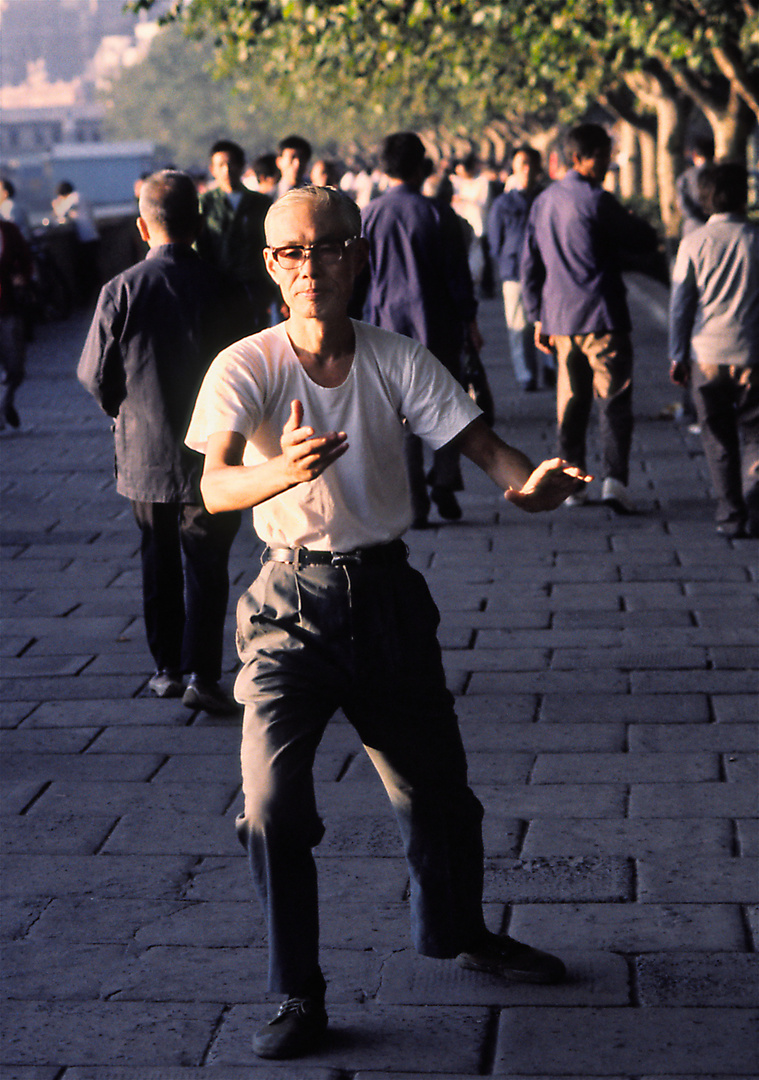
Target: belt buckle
pixel 342 558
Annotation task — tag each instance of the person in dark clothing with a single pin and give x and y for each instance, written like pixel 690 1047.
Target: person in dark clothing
pixel 16 270
pixel 232 233
pixel 419 284
pixel 571 274
pixel 688 201
pixel 155 330
pixel 714 342
pixel 506 226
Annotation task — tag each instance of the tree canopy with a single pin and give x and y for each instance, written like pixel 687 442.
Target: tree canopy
pixel 441 61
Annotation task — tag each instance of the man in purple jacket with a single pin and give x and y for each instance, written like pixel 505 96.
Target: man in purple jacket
pixel 576 239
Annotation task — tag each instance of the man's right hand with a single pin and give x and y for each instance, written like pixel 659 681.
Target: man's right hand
pixel 306 454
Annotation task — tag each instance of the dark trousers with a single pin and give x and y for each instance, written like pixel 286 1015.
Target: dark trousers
pixel 600 366
pixel 727 405
pixel 362 638
pixel 185 584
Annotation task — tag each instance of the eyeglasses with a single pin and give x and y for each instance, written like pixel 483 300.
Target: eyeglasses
pixel 327 252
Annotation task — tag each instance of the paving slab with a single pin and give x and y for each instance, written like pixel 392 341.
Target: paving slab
pixel 377 1037
pixel 705 800
pixel 593 1042
pixel 593 707
pixel 652 738
pixel 631 837
pixel 706 879
pixel 260 1071
pixel 701 979
pixel 559 878
pixel 106 1033
pixel 631 928
pixel 102 875
pixel 593 979
pixel 626 768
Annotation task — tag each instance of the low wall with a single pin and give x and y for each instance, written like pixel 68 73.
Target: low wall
pixel 120 247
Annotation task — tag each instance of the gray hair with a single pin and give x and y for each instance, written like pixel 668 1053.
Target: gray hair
pixel 320 198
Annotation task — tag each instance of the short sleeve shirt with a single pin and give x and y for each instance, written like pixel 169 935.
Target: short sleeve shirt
pixel 362 498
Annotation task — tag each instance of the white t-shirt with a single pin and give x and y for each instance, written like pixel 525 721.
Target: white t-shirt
pixel 363 498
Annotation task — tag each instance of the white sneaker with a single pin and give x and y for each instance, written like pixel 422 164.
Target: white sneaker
pixel 616 496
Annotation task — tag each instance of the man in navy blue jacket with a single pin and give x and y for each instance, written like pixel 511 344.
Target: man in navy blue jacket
pixel 576 241
pixel 420 285
pixel 155 331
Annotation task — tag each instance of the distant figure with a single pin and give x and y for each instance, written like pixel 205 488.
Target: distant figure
pixel 688 200
pixel 571 275
pixel 506 226
pixel 325 173
pixel 11 209
pixel 292 162
pixel 15 276
pixel 70 206
pixel 471 200
pixel 419 285
pixel 156 329
pixel 266 174
pixel 232 234
pixel 714 342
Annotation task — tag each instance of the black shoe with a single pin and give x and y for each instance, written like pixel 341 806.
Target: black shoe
pixel 733 530
pixel 446 502
pixel 501 955
pixel 297 1028
pixel 11 415
pixel 201 694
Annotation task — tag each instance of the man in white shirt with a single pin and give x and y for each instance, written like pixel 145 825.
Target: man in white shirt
pixel 304 423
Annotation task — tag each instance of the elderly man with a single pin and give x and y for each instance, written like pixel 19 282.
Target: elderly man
pixel 304 423
pixel 714 342
pixel 154 333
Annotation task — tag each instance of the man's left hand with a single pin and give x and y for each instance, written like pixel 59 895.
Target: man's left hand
pixel 548 486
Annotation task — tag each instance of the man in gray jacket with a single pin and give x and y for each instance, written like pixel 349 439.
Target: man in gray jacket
pixel 714 342
pixel 156 329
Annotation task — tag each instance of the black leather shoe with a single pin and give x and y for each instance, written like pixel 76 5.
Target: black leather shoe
pixel 733 530
pixel 209 696
pixel 500 955
pixel 446 502
pixel 297 1028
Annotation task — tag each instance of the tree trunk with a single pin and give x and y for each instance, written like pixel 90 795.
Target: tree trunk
pixel 628 160
pixel 732 126
pixel 671 114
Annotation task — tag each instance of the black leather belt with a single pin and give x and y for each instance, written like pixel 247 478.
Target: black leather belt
pixel 377 555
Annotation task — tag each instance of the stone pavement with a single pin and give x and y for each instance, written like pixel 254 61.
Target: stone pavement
pixel 605 671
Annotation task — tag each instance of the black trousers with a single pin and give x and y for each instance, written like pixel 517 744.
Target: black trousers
pixel 727 404
pixel 185 584
pixel 362 638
